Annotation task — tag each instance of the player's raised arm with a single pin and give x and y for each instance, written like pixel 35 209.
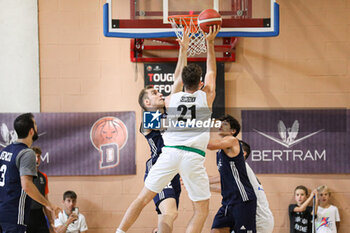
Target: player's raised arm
pixel 181 63
pixel 210 76
pixel 222 143
pixel 306 203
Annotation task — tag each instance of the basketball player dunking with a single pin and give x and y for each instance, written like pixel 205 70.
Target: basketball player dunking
pixel 184 147
pixel 167 201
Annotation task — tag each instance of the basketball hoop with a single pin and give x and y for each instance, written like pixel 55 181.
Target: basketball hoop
pixel 180 23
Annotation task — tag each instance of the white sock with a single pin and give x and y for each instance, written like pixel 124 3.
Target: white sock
pixel 119 231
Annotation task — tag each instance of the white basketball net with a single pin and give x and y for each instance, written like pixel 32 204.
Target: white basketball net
pixel 197 43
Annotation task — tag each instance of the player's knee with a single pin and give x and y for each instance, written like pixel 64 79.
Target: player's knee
pixel 144 201
pixel 173 215
pixel 203 212
pixel 141 201
pixel 170 215
pixel 201 208
pixel 145 197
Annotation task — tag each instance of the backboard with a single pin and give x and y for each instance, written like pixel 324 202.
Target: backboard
pixel 149 18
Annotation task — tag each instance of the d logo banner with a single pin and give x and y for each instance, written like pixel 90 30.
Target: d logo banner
pixel 109 135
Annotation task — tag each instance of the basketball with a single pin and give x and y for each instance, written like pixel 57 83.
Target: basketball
pixel 207 18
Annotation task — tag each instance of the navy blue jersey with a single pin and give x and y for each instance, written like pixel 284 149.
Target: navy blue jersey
pixel 235 185
pixel 14 202
pixel 156 143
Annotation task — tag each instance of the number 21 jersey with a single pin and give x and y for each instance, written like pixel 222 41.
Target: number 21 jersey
pixel 188 121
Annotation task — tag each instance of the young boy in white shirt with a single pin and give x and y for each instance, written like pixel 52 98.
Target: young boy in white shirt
pixel 70 220
pixel 327 215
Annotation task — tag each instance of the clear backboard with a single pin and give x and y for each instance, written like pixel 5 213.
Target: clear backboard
pixel 149 18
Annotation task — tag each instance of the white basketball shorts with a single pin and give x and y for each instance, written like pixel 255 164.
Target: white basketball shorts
pixel 190 166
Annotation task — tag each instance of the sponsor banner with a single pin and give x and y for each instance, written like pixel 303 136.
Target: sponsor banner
pixel 161 76
pixel 100 143
pixel 297 141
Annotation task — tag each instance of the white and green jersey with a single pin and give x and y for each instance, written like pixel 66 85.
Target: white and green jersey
pixel 188 122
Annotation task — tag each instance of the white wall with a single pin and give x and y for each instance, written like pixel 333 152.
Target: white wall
pixel 19 56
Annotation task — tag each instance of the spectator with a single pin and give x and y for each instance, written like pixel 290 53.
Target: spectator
pixel 300 214
pixel 70 220
pixel 327 215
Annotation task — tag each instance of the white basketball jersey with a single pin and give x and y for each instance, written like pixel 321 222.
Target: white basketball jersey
pixel 188 121
pixel 264 217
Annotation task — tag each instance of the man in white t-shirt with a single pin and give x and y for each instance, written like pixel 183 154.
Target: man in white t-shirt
pixel 70 220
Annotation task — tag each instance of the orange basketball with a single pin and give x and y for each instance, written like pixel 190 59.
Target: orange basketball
pixel 207 18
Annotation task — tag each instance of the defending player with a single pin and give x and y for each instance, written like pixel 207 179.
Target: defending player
pixel 264 217
pixel 238 209
pixel 184 148
pixel 167 201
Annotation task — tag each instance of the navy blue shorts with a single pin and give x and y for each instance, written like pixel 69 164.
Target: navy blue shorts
pixel 37 222
pixel 239 217
pixel 172 190
pixel 12 228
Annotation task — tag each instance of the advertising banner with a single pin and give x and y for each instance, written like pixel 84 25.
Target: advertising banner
pixel 161 76
pixel 99 143
pixel 297 141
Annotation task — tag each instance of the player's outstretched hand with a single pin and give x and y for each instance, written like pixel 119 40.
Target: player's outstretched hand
pixel 213 31
pixel 185 41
